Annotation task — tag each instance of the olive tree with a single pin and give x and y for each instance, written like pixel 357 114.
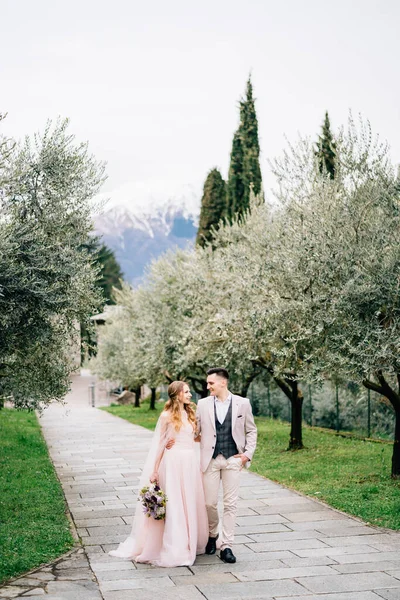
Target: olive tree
pixel 47 281
pixel 344 255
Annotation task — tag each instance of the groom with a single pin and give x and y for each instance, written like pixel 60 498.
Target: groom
pixel 228 441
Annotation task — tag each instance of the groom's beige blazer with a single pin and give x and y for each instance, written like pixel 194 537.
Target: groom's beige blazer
pixel 244 430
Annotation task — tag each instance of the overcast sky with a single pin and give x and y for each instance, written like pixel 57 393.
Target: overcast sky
pixel 154 86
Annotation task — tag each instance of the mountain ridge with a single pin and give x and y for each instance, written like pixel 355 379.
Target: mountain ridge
pixel 139 238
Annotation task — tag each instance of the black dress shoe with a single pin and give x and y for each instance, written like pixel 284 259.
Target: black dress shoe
pixel 211 547
pixel 228 556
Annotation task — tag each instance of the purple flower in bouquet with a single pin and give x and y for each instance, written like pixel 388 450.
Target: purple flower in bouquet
pixel 154 501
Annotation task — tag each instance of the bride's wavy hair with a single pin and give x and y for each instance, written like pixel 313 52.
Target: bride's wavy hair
pixel 174 406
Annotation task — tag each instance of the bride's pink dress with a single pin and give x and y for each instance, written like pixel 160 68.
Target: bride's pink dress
pixel 184 533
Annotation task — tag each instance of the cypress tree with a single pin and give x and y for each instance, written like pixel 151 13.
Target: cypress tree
pixel 110 272
pixel 238 186
pixel 326 149
pixel 249 133
pixel 213 206
pixel 244 170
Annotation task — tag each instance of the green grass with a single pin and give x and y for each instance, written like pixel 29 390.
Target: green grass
pixel 140 416
pixel 349 474
pixel 34 528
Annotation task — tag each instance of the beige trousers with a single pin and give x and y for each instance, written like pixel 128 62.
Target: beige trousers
pixel 227 471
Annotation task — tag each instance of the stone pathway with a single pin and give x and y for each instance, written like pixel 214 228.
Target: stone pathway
pixel 288 547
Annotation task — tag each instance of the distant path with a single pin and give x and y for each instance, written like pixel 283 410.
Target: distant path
pixel 288 546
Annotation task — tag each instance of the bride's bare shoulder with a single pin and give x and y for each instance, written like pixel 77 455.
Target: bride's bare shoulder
pixel 165 415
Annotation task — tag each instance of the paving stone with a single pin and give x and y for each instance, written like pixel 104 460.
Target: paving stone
pixel 38 596
pixel 277 509
pixel 94 550
pixel 340 596
pixel 25 581
pixel 322 515
pixel 123 529
pixel 349 583
pixel 367 567
pixel 111 540
pixel 204 578
pixel 336 552
pixel 322 525
pixel 372 540
pixel 284 535
pixel 392 547
pixel 35 592
pixel 73 590
pixel 389 594
pixel 242 539
pixel 73 563
pixel 250 502
pixel 107 547
pixel 99 567
pixel 366 557
pixel 11 591
pixel 187 592
pixel 313 561
pixel 344 531
pixel 154 583
pixel 43 576
pixel 284 573
pixel 100 522
pixel 115 575
pixel 251 590
pixel 260 520
pixel 292 500
pixel 102 512
pixel 238 567
pixel 291 545
pixel 256 557
pixel 74 574
pixel 268 528
pixel 246 512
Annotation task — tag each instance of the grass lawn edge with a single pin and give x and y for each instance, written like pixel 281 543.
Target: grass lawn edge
pixel 75 543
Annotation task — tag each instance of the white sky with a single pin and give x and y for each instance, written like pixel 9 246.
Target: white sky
pixel 154 86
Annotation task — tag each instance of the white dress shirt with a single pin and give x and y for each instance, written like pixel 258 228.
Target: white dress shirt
pixel 222 407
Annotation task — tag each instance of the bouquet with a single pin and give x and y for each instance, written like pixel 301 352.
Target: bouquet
pixel 154 501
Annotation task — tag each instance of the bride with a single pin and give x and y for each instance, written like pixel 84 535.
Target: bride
pixel 184 533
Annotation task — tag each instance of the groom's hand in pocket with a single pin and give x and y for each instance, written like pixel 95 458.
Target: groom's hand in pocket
pixel 243 457
pixel 170 443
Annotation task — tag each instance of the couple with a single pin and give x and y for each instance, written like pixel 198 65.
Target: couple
pixel 224 425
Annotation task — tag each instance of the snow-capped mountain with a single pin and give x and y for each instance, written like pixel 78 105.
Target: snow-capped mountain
pixel 138 238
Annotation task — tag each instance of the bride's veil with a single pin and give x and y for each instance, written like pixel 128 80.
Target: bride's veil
pixel 133 544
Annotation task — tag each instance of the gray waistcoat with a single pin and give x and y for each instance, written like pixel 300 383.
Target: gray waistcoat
pixel 225 443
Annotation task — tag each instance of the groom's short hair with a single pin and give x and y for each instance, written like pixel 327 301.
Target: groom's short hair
pixel 221 372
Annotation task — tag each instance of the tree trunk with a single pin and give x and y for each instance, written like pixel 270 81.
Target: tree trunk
pixel 383 388
pixel 153 399
pixel 396 447
pixel 248 381
pixel 296 429
pixel 199 386
pixel 137 396
pixel 290 387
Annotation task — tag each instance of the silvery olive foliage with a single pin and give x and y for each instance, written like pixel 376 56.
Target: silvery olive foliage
pixel 342 265
pixel 305 288
pixel 47 281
